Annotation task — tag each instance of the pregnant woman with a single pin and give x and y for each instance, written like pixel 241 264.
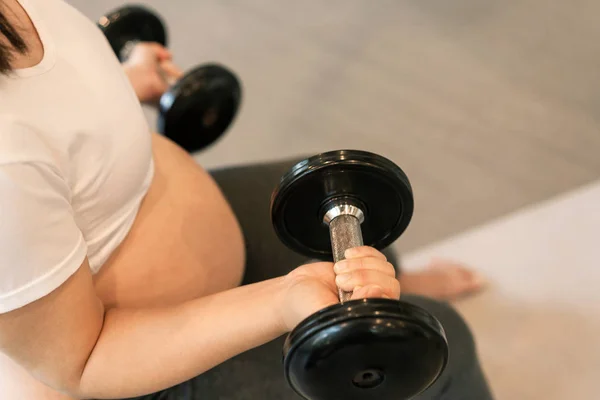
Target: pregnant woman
pixel 121 259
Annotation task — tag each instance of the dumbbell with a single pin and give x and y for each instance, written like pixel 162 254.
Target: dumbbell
pixel 199 107
pixel 369 349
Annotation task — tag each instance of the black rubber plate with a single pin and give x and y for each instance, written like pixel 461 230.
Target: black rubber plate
pixel 365 349
pixel 373 182
pixel 200 107
pixel 132 23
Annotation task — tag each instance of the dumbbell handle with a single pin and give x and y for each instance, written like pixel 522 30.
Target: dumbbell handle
pixel 344 229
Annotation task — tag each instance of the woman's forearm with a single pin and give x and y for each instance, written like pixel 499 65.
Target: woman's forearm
pixel 145 350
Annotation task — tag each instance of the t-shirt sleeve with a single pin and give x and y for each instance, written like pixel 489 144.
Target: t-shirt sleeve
pixel 41 245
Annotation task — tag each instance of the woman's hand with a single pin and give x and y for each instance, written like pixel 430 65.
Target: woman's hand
pixel 151 71
pixel 312 287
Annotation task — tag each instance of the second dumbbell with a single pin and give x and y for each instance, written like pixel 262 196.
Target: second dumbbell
pixel 199 107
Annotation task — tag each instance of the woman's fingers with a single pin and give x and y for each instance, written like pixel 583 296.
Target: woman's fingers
pixel 370 291
pixel 359 279
pixel 366 273
pixel 364 251
pixel 350 265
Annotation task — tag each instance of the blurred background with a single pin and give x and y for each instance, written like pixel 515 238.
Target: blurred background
pixel 492 108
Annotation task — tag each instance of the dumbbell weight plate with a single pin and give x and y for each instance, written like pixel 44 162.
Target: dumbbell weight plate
pixel 132 23
pixel 200 107
pixel 377 185
pixel 370 349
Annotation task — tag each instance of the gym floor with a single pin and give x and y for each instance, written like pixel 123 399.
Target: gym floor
pixel 489 106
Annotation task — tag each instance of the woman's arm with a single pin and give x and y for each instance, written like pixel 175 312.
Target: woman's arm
pixel 68 341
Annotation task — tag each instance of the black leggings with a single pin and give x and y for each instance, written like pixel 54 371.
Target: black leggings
pixel 258 373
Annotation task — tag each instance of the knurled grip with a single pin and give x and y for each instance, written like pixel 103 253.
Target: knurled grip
pixel 345 233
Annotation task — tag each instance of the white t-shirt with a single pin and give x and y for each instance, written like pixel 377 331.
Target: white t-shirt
pixel 75 157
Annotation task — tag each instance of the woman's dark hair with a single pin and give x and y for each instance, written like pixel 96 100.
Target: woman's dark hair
pixel 15 41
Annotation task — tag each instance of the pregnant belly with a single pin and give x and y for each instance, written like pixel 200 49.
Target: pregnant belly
pixel 184 243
